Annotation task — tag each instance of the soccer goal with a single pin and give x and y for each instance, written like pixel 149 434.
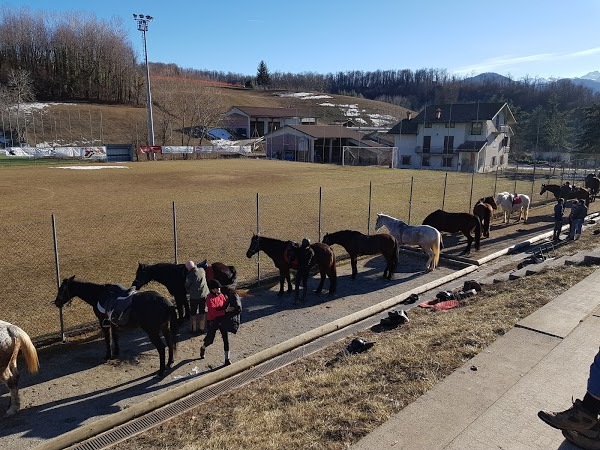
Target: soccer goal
pixel 369 156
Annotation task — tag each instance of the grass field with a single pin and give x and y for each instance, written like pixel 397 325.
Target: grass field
pixel 107 220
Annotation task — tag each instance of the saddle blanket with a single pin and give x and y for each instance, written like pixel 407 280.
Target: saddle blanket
pixel 118 309
pixel 517 199
pixel 439 305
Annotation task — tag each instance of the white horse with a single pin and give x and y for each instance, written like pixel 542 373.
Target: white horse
pixel 513 202
pixel 13 339
pixel 426 237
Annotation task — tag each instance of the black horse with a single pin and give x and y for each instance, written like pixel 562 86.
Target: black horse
pixel 566 192
pixel 357 244
pixel 172 276
pixel 279 251
pixel 484 209
pixel 453 223
pixel 149 311
pixel 592 182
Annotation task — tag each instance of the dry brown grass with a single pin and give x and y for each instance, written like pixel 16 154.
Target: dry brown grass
pixel 108 220
pixel 329 400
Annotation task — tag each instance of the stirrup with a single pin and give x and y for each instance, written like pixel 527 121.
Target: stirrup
pixel 106 323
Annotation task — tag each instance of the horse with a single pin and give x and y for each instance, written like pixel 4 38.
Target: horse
pixel 278 251
pixel 484 209
pixel 149 311
pixel 513 202
pixel 357 244
pixel 172 276
pixel 566 192
pixel 426 237
pixel 12 340
pixel 592 182
pixel 449 222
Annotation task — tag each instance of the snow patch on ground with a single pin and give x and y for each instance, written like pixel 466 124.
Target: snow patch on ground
pixel 29 108
pixel 305 95
pixel 90 167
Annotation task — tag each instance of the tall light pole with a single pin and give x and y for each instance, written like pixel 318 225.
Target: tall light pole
pixel 142 24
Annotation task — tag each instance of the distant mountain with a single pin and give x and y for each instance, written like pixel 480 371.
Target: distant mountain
pixel 590 80
pixel 594 76
pixel 488 77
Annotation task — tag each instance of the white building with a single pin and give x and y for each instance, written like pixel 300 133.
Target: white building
pixel 459 137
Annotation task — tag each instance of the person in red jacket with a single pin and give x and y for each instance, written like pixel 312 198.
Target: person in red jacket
pixel 216 305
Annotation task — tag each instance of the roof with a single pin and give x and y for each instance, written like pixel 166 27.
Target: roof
pixel 460 112
pixel 471 146
pixel 262 112
pixel 328 131
pixel 405 126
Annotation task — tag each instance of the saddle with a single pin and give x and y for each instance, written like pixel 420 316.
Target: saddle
pixel 290 256
pixel 117 308
pixel 210 273
pixel 517 200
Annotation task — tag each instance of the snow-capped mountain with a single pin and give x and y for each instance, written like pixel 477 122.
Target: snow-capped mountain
pixel 594 76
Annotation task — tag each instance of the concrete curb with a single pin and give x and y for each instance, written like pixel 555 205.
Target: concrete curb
pixel 87 431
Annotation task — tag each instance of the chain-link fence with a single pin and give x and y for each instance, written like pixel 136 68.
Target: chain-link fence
pixel 105 247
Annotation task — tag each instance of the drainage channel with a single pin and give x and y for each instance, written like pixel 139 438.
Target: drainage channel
pixel 158 416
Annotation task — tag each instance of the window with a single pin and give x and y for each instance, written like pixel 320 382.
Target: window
pixel 476 128
pixel 493 160
pixel 427 124
pixel 447 161
pixel 426 144
pixel 406 160
pixel 450 124
pixel 504 142
pixel 501 159
pixel 425 161
pixel 448 144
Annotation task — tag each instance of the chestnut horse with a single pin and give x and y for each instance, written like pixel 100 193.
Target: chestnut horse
pixel 453 223
pixel 484 209
pixel 278 251
pixel 357 244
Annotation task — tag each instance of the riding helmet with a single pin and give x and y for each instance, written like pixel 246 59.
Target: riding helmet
pixel 213 284
pixel 305 242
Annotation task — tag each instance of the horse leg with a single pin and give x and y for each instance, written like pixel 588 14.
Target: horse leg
pixel 281 282
pixel 12 382
pixel 353 262
pixel 289 280
pixel 166 331
pixel 323 274
pixel 115 338
pixel 297 281
pixel 160 346
pixel 106 331
pixel 186 307
pixel 180 310
pixel 467 250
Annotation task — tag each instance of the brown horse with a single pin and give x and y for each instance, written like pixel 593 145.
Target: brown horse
pixel 357 244
pixel 484 209
pixel 566 192
pixel 278 251
pixel 453 223
pixel 592 182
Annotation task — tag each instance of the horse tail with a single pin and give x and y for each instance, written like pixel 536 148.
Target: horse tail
pixel 437 249
pixel 477 232
pixel 395 257
pixel 23 342
pixel 173 324
pixel 233 278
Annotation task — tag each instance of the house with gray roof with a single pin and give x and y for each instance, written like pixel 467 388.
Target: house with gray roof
pixel 468 137
pixel 254 121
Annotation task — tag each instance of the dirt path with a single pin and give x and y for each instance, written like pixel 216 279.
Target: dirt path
pixel 74 387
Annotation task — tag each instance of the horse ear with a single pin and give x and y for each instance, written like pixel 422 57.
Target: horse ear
pixel 72 278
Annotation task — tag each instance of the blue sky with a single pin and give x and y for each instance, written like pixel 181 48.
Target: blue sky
pixel 518 38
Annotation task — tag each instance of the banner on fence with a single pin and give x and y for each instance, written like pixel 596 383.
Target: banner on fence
pixel 150 148
pixel 96 153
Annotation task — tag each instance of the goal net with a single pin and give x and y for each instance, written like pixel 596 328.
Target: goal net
pixel 369 156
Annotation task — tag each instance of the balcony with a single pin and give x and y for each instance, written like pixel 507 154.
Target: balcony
pixel 437 150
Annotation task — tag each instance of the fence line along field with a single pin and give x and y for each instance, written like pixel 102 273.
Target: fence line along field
pixel 109 219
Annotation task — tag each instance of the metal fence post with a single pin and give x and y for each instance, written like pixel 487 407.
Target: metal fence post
pixel 516 175
pixel 320 209
pixel 533 182
pixel 444 196
pixel 496 181
pixel 562 173
pixel 369 209
pixel 175 231
pixel 412 180
pixel 471 196
pixel 60 310
pixel 258 234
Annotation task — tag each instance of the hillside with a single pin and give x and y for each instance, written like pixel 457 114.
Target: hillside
pixel 63 124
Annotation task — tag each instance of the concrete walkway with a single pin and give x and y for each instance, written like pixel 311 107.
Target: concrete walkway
pixel 492 401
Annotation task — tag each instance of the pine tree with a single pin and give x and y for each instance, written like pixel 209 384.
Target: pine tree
pixel 589 139
pixel 263 78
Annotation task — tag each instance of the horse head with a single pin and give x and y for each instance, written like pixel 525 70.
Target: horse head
pixel 491 201
pixel 63 295
pixel 378 223
pixel 543 189
pixel 142 276
pixel 254 246
pixel 326 239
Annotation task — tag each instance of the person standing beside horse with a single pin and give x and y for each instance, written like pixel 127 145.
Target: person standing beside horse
pixel 578 214
pixel 559 211
pixel 305 255
pixel 197 289
pixel 216 304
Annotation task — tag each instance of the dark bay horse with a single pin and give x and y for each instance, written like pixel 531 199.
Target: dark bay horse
pixel 357 244
pixel 172 276
pixel 13 340
pixel 149 311
pixel 567 193
pixel 453 223
pixel 592 182
pixel 484 209
pixel 277 250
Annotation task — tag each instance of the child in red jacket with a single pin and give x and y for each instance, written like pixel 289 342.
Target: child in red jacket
pixel 216 304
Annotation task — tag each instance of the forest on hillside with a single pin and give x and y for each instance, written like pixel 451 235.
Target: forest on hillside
pixel 74 57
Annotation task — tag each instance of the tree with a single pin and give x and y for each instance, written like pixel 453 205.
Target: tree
pixel 263 78
pixel 588 140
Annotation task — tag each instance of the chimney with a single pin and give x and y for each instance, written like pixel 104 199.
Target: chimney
pixel 408 115
pixel 438 113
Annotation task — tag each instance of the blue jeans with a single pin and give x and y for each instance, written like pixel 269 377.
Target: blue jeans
pixel 593 384
pixel 577 224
